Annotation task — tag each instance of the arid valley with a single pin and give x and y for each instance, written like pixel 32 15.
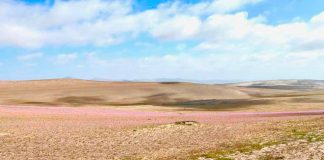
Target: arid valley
pixel 161 80
pixel 80 119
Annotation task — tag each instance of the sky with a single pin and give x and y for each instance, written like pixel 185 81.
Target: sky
pixel 200 40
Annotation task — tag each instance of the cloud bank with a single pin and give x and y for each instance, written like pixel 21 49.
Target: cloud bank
pixel 225 36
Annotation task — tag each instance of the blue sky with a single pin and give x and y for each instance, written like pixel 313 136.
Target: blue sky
pixel 149 40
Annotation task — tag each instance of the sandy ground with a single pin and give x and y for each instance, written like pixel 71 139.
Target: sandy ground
pixel 31 132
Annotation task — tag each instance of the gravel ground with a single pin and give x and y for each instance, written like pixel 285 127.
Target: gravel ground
pixel 99 133
pixel 300 146
pixel 297 150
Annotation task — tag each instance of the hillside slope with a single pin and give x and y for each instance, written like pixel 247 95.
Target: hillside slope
pixel 79 92
pixel 252 96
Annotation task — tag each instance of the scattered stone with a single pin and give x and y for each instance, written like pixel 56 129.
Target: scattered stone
pixel 187 123
pixel 300 149
pixel 3 134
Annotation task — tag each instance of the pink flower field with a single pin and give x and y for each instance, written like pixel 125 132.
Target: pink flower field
pixel 122 117
pixel 105 133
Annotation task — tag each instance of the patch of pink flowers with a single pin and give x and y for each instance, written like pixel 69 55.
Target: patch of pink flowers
pixel 118 118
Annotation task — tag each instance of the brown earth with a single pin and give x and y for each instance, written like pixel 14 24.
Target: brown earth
pixel 28 132
pixel 157 96
pixel 79 119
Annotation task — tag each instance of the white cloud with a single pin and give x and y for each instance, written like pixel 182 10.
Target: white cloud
pixel 98 21
pixel 94 60
pixel 177 28
pixel 308 55
pixel 219 27
pixel 19 36
pixel 30 57
pixel 226 40
pixel 101 22
pixel 206 7
pixel 206 66
pixel 224 6
pixel 65 58
pixel 318 19
pixel 236 33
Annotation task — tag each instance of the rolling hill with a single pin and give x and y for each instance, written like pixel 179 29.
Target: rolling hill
pixel 260 95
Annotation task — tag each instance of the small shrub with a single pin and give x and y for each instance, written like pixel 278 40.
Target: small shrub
pixel 271 157
pixel 186 123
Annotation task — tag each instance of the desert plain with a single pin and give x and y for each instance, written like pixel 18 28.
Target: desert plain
pixel 82 119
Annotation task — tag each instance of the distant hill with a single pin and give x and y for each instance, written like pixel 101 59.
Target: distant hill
pixel 87 92
pixel 284 84
pixel 211 81
pixel 257 95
